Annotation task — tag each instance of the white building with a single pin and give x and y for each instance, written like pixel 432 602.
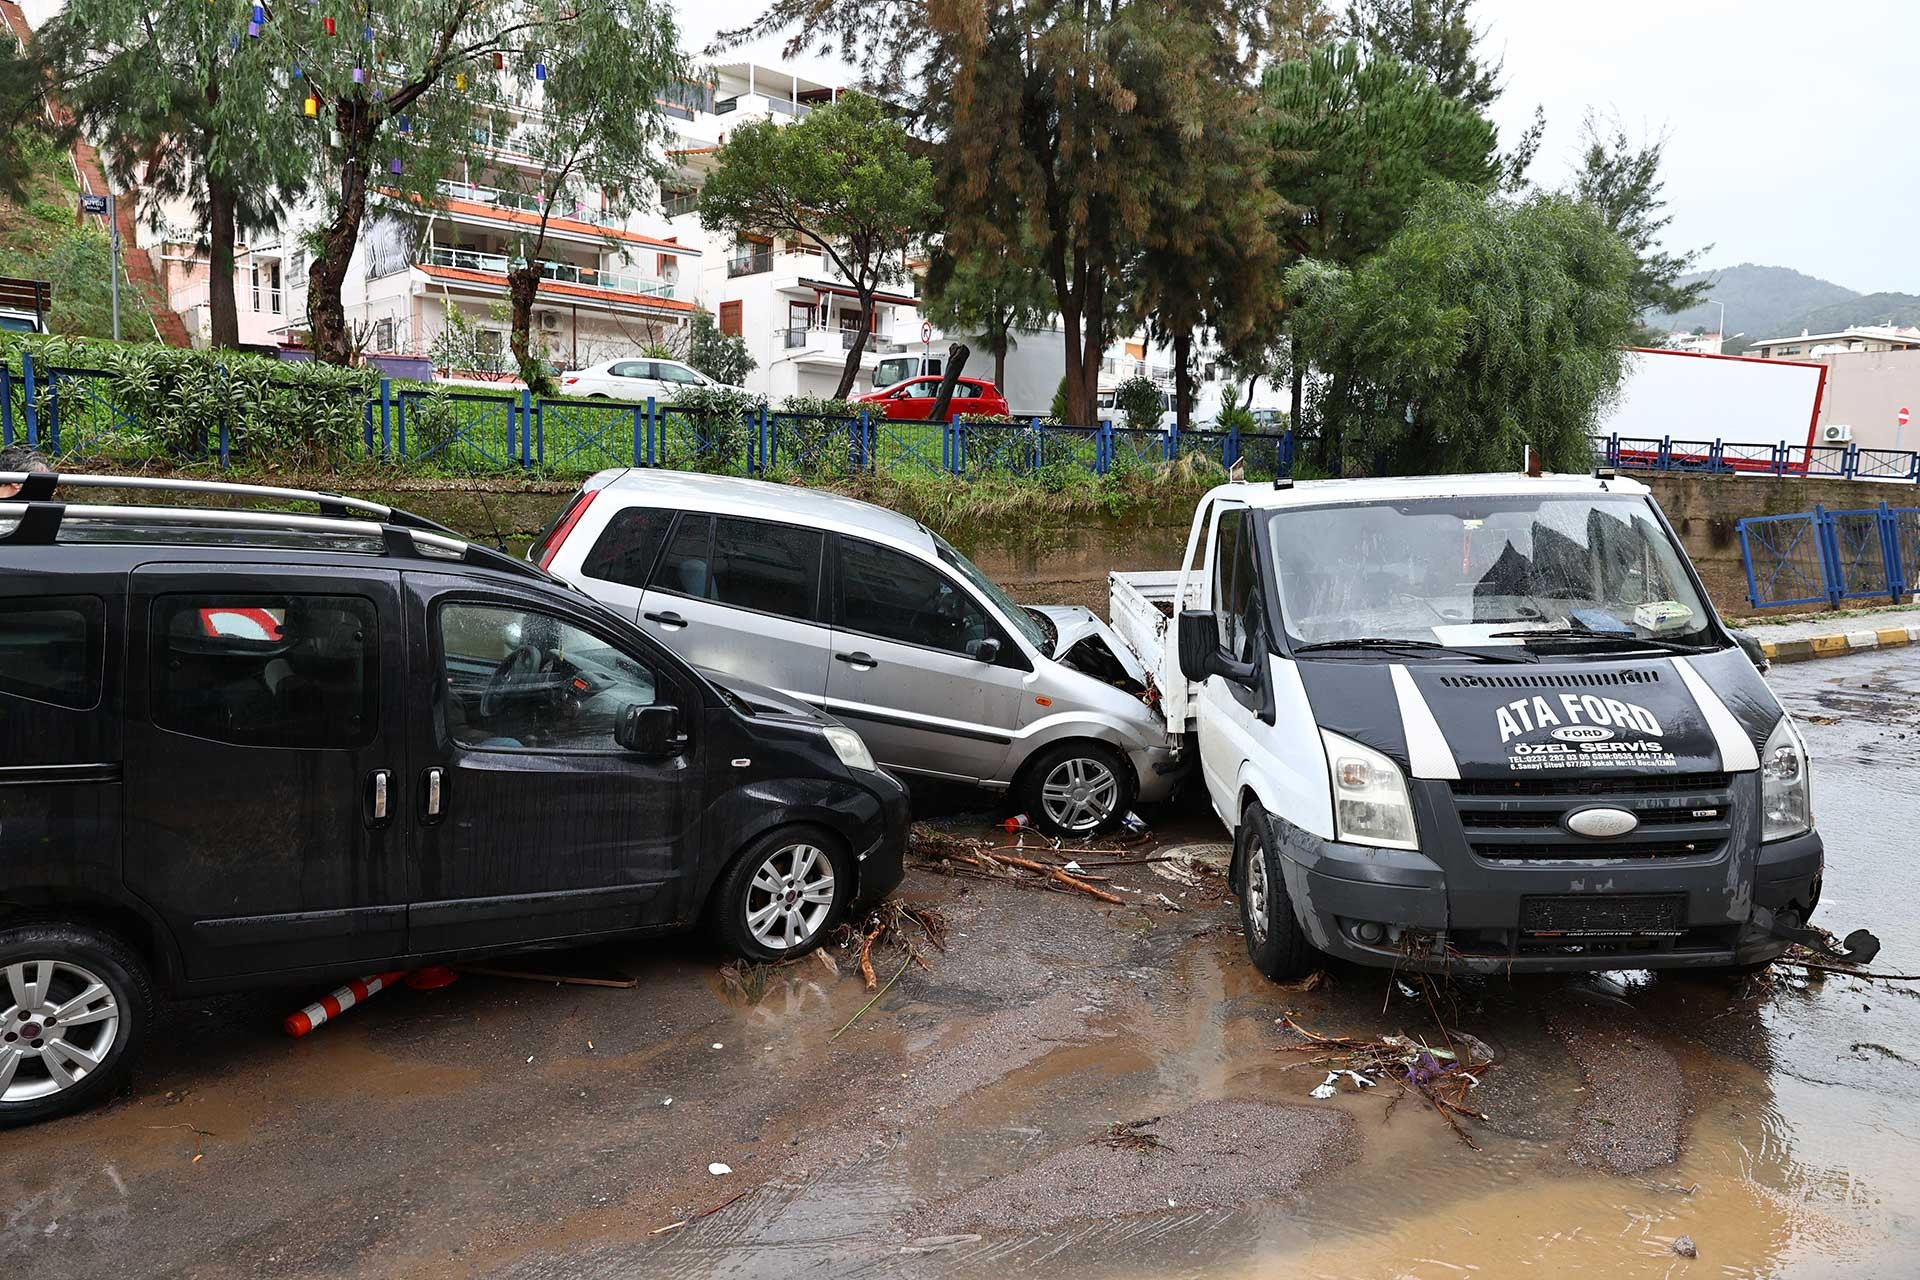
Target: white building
pixel 1701 344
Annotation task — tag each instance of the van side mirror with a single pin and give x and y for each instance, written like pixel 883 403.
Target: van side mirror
pixel 1751 647
pixel 648 731
pixel 987 650
pixel 1202 654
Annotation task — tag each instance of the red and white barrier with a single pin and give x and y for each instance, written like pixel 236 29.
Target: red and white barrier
pixel 332 1006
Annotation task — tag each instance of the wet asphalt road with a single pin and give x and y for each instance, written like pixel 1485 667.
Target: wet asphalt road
pixel 506 1128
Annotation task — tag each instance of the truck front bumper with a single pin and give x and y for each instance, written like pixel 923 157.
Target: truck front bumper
pixel 1402 908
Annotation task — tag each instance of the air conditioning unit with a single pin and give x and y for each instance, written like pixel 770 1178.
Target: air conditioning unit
pixel 1836 433
pixel 549 320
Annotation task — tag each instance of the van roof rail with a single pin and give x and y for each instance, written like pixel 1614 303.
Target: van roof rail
pixel 39 515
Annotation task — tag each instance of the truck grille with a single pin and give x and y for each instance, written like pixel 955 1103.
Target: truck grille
pixel 1688 816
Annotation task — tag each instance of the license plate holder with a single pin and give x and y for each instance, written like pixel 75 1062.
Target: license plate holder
pixel 1594 915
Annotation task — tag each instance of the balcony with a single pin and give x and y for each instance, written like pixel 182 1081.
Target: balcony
pixel 675 203
pixel 830 346
pixel 750 264
pixel 498 264
pixel 520 202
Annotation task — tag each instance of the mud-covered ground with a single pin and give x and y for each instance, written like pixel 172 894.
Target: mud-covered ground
pixel 982 1117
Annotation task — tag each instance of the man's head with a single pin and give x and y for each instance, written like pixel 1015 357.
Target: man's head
pixel 19 457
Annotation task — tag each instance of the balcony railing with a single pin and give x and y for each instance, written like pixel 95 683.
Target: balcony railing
pixel 498 264
pixel 750 264
pixel 810 339
pixel 478 193
pixel 676 203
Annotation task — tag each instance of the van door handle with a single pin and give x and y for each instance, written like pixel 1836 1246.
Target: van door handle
pixel 378 785
pixel 669 619
pixel 858 661
pixel 432 794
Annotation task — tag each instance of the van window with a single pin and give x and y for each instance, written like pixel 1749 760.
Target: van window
pixel 770 568
pixel 267 670
pixel 518 679
pixel 51 647
pixel 1229 583
pixel 895 597
pixel 625 550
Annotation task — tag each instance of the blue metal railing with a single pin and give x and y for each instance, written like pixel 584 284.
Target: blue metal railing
pixel 80 413
pixel 1826 557
pixel 1839 461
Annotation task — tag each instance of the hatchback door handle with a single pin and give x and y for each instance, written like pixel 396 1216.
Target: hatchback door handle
pixel 432 794
pixel 858 661
pixel 378 785
pixel 668 619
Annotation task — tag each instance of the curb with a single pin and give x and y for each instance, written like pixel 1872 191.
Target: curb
pixel 1839 644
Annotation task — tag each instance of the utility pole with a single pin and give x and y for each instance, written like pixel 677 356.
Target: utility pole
pixel 113 234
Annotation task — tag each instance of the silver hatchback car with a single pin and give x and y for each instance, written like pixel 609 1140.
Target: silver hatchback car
pixel 875 619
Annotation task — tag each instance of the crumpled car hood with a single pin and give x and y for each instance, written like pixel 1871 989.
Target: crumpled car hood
pixel 1074 623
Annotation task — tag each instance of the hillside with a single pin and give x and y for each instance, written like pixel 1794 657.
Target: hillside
pixel 1868 308
pixel 1762 302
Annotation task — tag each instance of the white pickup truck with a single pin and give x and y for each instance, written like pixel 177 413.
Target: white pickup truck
pixel 1487 722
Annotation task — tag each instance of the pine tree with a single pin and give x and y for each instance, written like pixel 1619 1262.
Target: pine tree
pixel 1622 183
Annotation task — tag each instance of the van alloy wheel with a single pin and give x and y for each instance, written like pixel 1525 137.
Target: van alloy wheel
pixel 1079 793
pixel 58 1024
pixel 790 897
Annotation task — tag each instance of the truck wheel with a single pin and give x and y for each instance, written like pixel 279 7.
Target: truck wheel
pixel 1276 943
pixel 74 1007
pixel 1076 789
pixel 778 898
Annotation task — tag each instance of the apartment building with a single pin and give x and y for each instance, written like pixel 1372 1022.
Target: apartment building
pixel 780 295
pixel 1811 346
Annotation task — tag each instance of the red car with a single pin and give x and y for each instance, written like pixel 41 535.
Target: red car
pixel 912 400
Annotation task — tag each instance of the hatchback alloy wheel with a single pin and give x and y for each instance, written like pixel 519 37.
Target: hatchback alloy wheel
pixel 1080 793
pixel 58 1024
pixel 790 896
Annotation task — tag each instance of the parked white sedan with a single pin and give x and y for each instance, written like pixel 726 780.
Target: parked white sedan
pixel 662 380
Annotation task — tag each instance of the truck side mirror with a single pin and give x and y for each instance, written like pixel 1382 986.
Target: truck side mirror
pixel 1751 647
pixel 1202 654
pixel 648 731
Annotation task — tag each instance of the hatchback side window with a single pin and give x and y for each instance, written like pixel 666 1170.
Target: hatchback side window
pixel 267 670
pixel 687 568
pixel 519 679
pixel 625 550
pixel 770 568
pixel 896 597
pixel 51 647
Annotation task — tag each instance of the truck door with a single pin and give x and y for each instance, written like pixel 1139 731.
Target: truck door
pixel 266 764
pixel 1228 711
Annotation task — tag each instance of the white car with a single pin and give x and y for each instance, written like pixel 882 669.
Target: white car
pixel 661 380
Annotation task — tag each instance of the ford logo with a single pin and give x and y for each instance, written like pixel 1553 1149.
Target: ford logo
pixel 1601 824
pixel 1583 733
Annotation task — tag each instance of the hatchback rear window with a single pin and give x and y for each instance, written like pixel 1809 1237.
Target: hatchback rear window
pixel 51 647
pixel 626 548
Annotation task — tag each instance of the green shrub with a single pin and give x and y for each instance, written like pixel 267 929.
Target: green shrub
pixel 1234 418
pixel 1138 400
pixel 707 429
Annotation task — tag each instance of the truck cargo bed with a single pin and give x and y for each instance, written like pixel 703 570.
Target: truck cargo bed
pixel 1142 606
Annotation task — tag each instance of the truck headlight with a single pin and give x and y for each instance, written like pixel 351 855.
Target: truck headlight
pixel 1786 790
pixel 1370 803
pixel 848 746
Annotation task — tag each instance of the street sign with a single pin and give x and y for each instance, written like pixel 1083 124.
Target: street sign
pixel 926 335
pixel 1903 415
pixel 94 204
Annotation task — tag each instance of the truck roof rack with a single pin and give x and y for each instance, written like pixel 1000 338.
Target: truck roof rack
pixel 38 515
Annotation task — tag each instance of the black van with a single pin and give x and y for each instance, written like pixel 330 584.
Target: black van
pixel 244 746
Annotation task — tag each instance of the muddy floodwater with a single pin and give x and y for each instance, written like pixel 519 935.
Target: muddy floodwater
pixel 1069 1089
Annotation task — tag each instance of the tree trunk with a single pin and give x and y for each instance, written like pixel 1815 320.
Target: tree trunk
pixel 851 373
pixel 1182 378
pixel 1000 361
pixel 1093 343
pixel 523 283
pixel 326 313
pixel 1252 382
pixel 1079 409
pixel 1299 385
pixel 222 310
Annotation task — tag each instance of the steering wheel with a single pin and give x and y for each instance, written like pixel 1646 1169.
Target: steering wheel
pixel 513 671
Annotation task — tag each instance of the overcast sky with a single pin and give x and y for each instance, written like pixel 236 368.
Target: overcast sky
pixel 1791 126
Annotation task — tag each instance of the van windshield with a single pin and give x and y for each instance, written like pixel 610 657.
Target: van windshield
pixel 1484 571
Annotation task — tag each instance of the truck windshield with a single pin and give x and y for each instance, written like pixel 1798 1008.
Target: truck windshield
pixel 1481 571
pixel 1014 616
